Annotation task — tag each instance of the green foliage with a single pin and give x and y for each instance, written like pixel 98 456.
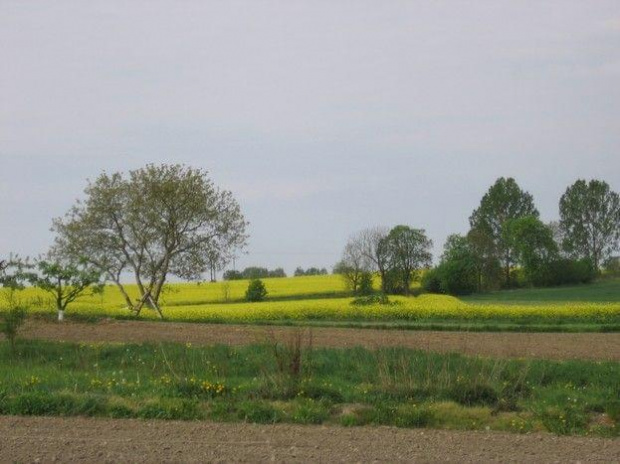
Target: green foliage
pixel 458 272
pixel 42 403
pixel 171 409
pixel 564 420
pixel 612 266
pixel 233 275
pixel 154 222
pixel 590 220
pixel 431 282
pixel 365 284
pixel 406 252
pixel 65 281
pixel 503 201
pixel 534 247
pixel 12 320
pixel 254 272
pixel 256 291
pixel 310 411
pixel 488 266
pixel 14 316
pixel 387 386
pixel 311 271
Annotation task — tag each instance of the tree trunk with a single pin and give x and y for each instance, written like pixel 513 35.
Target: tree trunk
pixel 61 315
pixel 123 292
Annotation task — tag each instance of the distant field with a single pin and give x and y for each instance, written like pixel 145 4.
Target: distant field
pixel 194 293
pixel 322 299
pixel 603 291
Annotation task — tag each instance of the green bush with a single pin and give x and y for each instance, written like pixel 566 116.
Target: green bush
pixel 365 285
pixel 564 271
pixel 12 320
pixel 457 277
pixel 431 283
pixel 256 291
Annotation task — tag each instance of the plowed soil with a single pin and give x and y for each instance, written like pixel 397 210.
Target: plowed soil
pixel 44 439
pixel 592 346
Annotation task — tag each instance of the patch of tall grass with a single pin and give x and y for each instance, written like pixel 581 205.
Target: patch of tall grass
pixel 291 381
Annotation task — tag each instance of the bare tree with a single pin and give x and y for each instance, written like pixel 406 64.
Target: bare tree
pixel 354 263
pixel 370 245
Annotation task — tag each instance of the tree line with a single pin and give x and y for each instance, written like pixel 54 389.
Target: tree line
pixel 151 223
pixel 507 245
pixel 257 272
pixel 171 220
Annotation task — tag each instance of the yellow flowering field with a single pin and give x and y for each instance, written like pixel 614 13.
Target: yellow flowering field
pixel 424 307
pixel 317 298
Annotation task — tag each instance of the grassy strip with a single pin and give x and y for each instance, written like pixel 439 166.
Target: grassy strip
pixel 289 381
pixel 435 325
pixel 601 291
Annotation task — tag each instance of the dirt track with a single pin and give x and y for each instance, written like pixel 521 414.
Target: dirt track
pixel 593 346
pixel 42 439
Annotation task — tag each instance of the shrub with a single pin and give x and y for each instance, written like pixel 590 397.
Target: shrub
pixel 431 282
pixel 457 277
pixel 566 272
pixel 13 319
pixel 256 291
pixel 365 284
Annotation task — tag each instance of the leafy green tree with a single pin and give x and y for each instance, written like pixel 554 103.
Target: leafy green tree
pixel 503 201
pixel 277 272
pixel 590 220
pixel 534 245
pixel 488 266
pixel 12 279
pixel 157 221
pixel 406 252
pixel 255 272
pixel 231 274
pixel 299 272
pixel 65 281
pixel 457 273
pixel 256 291
pixel 365 286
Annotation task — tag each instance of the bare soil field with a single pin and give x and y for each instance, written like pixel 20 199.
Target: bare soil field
pixel 76 439
pixel 592 346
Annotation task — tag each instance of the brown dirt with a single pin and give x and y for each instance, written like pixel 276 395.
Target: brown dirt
pixel 45 439
pixel 592 346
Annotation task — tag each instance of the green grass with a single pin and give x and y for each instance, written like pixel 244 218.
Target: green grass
pixel 276 382
pixel 602 291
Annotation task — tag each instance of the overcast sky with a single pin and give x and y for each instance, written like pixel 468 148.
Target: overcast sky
pixel 322 117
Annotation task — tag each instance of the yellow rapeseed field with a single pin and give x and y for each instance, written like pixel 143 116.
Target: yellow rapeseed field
pixel 316 298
